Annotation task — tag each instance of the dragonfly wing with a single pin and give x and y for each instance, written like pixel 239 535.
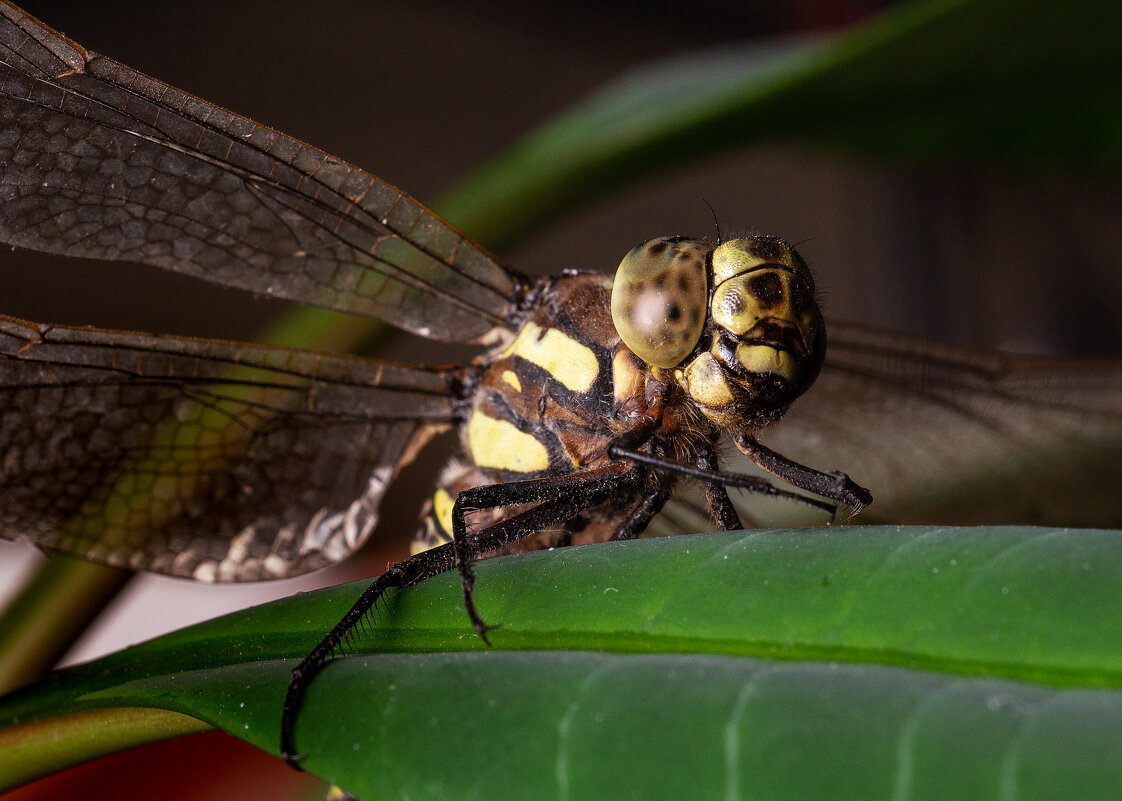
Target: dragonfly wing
pixel 942 434
pixel 212 460
pixel 101 161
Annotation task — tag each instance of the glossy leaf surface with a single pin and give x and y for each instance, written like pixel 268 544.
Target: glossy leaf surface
pixel 916 647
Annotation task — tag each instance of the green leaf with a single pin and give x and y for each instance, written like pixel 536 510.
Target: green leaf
pixel 913 659
pixel 591 725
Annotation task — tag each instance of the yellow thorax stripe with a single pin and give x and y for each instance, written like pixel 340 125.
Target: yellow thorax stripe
pixel 567 360
pixel 499 445
pixel 442 503
pixel 511 378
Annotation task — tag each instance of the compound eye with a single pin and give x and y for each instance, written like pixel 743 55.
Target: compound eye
pixel 659 299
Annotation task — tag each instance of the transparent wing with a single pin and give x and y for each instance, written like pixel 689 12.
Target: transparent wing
pixel 211 460
pixel 98 160
pixel 942 434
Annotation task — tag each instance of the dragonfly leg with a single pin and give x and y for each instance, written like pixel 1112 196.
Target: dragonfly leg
pixel 649 506
pixel 559 498
pixel 403 574
pixel 750 483
pixel 835 486
pixel 721 509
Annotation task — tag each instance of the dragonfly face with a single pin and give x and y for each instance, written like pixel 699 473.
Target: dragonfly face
pixel 223 461
pixel 737 324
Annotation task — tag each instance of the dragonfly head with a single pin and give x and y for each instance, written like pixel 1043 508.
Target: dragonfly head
pixel 737 326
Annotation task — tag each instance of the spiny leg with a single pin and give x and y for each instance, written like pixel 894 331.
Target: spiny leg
pixel 561 497
pixel 750 483
pixel 559 502
pixel 835 486
pixel 649 506
pixel 403 574
pixel 409 571
pixel 721 508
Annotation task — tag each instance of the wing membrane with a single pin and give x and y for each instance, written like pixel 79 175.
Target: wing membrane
pixel 211 460
pixel 942 434
pixel 101 161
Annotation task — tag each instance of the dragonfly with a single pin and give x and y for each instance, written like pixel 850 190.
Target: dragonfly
pixel 593 401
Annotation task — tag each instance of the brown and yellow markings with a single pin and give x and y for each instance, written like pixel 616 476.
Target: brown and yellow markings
pixel 442 503
pixel 581 449
pixel 573 364
pixel 511 379
pixel 629 379
pixel 588 310
pixel 500 445
pixel 737 257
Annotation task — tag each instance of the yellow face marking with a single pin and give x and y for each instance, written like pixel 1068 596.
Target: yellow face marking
pixel 741 302
pixel 762 278
pixel 511 379
pixel 731 259
pixel 704 381
pixel 738 256
pixel 567 360
pixel 765 359
pixel 498 444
